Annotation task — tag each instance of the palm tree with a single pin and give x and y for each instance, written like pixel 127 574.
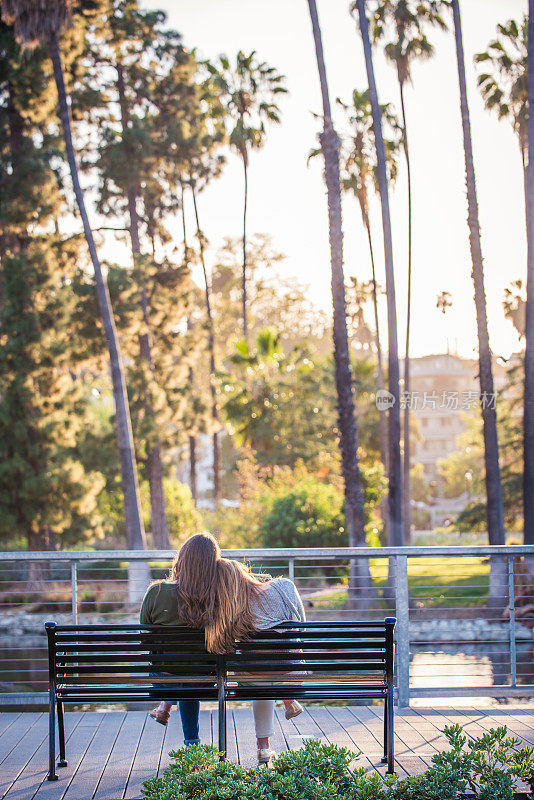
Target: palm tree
pixel 443 303
pixel 402 22
pixel 192 157
pixel 394 428
pixel 249 91
pixel 358 175
pixel 528 414
pixel 211 348
pixel 360 579
pixel 158 509
pixel 506 91
pixel 33 24
pixel 191 374
pixel 494 508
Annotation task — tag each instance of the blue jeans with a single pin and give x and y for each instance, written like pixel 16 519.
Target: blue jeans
pixel 189 711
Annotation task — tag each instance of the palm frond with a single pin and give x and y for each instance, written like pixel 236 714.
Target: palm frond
pixel 35 20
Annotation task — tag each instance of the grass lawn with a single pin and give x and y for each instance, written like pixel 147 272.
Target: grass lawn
pixel 433 582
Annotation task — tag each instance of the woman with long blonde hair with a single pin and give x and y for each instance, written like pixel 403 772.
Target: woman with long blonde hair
pixel 246 603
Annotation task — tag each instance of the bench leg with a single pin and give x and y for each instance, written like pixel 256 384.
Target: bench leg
pixel 52 737
pixel 61 729
pixel 222 723
pixel 385 756
pixel 391 732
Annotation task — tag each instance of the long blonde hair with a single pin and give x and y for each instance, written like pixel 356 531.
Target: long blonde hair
pixel 194 570
pixel 233 619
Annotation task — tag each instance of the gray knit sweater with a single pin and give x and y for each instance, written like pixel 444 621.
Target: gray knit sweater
pixel 279 602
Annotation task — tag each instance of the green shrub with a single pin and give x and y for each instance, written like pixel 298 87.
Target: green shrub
pixel 309 514
pixel 434 784
pixel 488 767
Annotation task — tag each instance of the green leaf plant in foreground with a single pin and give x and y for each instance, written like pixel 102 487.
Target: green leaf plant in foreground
pixel 488 767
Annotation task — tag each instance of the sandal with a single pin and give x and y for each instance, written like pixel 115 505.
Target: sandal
pixel 294 710
pixel 160 716
pixel 265 754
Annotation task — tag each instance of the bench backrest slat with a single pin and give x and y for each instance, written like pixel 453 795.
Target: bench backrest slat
pixel 109 659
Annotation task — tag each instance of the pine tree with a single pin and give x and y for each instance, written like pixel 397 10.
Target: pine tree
pixel 46 498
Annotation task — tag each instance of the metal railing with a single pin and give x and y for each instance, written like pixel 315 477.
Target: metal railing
pixel 459 630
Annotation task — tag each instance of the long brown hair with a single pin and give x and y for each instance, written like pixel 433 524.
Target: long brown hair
pixel 194 570
pixel 237 588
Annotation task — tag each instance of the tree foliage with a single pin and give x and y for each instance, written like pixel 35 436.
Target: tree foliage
pixel 46 496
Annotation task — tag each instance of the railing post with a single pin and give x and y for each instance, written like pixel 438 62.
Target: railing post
pixel 511 603
pixel 292 569
pixel 74 588
pixel 402 630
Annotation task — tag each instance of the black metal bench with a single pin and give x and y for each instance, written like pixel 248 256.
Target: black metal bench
pixel 304 661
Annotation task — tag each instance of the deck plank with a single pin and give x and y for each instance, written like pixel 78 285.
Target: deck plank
pixel 412 738
pixel 246 736
pixel 117 769
pixel 284 732
pixel 306 726
pixel 34 773
pixel 286 736
pixel 20 751
pixel 172 741
pixel 111 754
pixel 92 765
pixel 231 742
pixel 147 758
pixel 361 737
pixel 204 727
pixel 516 726
pixel 7 719
pixel 86 730
pixel 19 729
pixel 330 727
pixel 430 726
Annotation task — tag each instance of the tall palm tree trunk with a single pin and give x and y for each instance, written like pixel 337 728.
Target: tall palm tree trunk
pixel 158 509
pixel 211 348
pixel 193 468
pixel 244 276
pixel 361 588
pixel 382 430
pixel 135 531
pixel 191 374
pixel 528 412
pixel 489 415
pixel 395 537
pixel 406 490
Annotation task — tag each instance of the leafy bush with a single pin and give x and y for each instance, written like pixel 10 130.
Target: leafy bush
pixel 314 501
pixel 488 767
pixel 309 514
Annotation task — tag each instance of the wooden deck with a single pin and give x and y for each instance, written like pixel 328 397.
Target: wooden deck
pixel 111 754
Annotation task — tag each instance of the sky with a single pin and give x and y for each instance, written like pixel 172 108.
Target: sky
pixel 287 198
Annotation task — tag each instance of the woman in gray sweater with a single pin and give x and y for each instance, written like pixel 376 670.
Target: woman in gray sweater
pixel 246 603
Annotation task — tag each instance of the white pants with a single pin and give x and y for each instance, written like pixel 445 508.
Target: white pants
pixel 263 717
